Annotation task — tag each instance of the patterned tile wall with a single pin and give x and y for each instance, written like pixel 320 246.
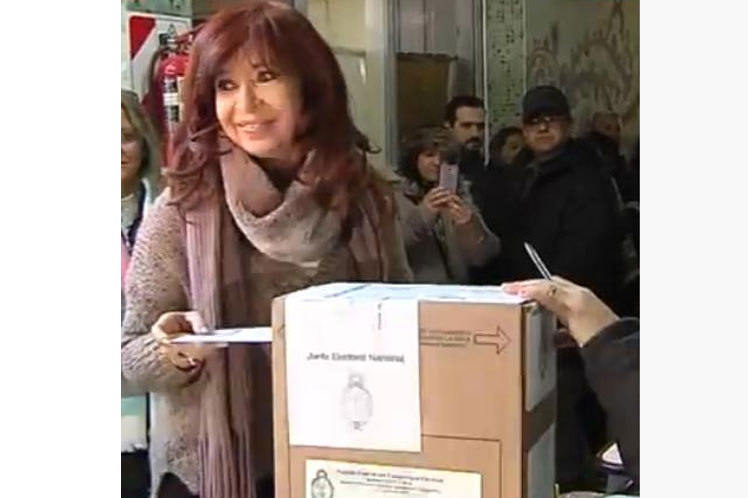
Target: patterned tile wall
pixel 505 37
pixel 588 48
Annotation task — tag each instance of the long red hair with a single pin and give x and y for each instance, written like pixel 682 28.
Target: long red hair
pixel 281 37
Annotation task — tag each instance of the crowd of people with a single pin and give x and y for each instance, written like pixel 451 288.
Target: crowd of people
pixel 269 190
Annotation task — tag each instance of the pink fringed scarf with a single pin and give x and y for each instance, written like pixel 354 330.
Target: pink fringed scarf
pixel 218 293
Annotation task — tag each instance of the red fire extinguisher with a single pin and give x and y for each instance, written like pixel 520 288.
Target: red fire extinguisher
pixel 167 72
pixel 174 67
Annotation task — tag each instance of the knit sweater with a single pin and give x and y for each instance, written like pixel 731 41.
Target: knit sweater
pixel 158 282
pixel 439 251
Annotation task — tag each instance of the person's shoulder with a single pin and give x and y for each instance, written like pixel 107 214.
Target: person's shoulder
pixel 389 180
pixel 585 161
pixel 583 152
pixel 524 157
pixel 163 221
pixel 164 208
pixel 385 175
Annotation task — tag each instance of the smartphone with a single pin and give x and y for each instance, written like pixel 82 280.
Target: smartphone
pixel 448 176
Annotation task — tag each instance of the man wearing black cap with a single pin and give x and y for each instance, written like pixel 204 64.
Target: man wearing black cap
pixel 560 200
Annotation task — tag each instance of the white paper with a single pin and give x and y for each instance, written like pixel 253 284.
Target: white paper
pixel 540 357
pixel 541 465
pixel 228 336
pixel 329 479
pixel 352 370
pixel 417 292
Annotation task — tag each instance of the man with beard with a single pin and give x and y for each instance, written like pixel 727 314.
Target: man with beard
pixel 465 116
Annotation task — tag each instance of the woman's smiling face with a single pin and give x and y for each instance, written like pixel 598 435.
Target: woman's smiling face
pixel 259 108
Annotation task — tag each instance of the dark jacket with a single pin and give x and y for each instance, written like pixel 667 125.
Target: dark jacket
pixel 493 193
pixel 567 208
pixel 472 165
pixel 626 179
pixel 634 174
pixel 611 362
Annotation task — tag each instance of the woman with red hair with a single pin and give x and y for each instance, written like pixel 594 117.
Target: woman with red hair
pixel 269 191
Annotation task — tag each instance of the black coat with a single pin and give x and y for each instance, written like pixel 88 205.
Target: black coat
pixel 614 163
pixel 611 362
pixel 472 165
pixel 568 210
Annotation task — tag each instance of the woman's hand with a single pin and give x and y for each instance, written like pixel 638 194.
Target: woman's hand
pixel 436 199
pixel 173 324
pixel 433 203
pixel 459 211
pixel 576 307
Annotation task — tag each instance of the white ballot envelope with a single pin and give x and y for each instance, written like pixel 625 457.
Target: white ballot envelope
pixel 228 336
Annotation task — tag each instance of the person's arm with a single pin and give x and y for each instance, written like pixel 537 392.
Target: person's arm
pixel 477 243
pixel 155 284
pixel 393 230
pixel 611 361
pixel 415 221
pixel 610 350
pixel 400 270
pixel 128 389
pixel 418 219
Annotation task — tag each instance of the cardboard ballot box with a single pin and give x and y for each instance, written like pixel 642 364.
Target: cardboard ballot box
pixel 412 391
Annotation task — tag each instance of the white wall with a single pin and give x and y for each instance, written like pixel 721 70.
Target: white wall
pixel 340 22
pixel 505 53
pixel 446 27
pixel 357 31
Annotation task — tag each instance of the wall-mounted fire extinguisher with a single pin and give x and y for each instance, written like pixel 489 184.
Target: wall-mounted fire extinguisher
pixel 174 66
pixel 168 68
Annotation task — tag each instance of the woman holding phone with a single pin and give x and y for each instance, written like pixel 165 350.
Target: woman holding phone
pixel 444 234
pixel 269 191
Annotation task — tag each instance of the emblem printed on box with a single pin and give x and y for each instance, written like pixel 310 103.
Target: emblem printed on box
pixel 321 486
pixel 357 403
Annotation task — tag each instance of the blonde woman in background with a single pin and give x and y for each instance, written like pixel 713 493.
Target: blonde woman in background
pixel 140 166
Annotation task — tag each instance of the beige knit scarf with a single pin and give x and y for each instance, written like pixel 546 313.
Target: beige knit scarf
pixel 214 233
